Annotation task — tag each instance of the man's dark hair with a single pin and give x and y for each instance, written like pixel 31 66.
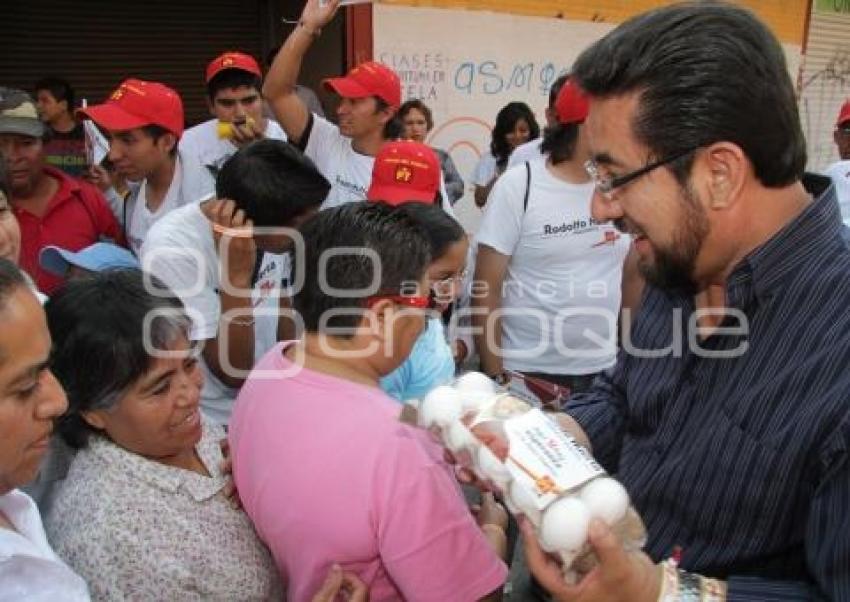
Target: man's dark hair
pixel 272 182
pixel 706 72
pixel 397 241
pixel 506 121
pixel 10 279
pixel 559 142
pixel 556 89
pixel 100 325
pixel 232 78
pixel 420 106
pixel 156 132
pixel 392 128
pixel 59 89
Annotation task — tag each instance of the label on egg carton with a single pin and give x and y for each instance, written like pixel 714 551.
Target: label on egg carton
pixel 544 460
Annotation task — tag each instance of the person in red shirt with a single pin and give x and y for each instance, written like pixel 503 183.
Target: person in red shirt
pixel 52 208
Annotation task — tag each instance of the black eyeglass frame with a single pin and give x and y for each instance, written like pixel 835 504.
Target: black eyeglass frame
pixel 608 186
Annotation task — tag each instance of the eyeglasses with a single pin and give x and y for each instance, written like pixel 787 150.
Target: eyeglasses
pixel 445 283
pixel 608 184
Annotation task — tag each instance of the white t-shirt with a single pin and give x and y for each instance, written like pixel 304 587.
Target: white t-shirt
pixel 561 294
pixel 348 171
pixel 29 568
pixel 180 250
pixel 191 183
pixel 485 169
pixel 530 151
pixel 840 174
pixel 203 143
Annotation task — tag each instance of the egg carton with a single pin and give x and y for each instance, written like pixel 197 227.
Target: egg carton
pixel 540 472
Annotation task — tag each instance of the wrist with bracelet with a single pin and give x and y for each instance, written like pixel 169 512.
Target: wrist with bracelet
pixel 681 586
pixel 240 320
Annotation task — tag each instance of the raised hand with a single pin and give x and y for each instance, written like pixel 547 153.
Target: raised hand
pixel 318 13
pixel 246 132
pixel 234 242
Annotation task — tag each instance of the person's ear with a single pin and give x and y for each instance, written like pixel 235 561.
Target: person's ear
pixel 377 318
pixel 167 142
pixel 724 167
pixel 387 114
pixel 95 419
pixel 210 106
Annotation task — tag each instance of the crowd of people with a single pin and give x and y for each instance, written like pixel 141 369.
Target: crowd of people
pixel 214 338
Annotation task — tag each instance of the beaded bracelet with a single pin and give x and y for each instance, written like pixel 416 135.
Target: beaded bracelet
pixel 240 320
pixel 681 586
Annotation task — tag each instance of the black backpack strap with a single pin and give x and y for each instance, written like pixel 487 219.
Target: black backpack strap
pixel 527 186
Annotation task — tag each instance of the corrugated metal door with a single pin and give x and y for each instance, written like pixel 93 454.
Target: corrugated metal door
pixel 825 78
pixel 97 43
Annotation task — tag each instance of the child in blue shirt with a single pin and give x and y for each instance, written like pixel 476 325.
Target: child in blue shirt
pixel 431 362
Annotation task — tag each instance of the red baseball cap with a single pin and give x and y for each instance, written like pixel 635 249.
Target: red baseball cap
pixel 571 106
pixel 368 79
pixel 137 103
pixel 233 60
pixel 844 114
pixel 405 171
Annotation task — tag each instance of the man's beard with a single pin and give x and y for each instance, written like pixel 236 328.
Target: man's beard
pixel 672 267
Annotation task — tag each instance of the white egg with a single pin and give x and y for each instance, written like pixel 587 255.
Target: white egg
pixel 524 501
pixel 564 525
pixel 606 498
pixel 440 407
pixel 492 468
pixel 476 381
pixel 458 437
pixel 476 390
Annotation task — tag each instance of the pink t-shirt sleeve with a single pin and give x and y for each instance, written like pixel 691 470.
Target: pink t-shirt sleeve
pixel 429 542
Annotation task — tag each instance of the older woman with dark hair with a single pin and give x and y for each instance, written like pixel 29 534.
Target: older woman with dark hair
pixel 417 121
pixel 143 512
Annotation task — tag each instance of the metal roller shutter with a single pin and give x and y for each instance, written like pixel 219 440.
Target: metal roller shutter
pixel 97 43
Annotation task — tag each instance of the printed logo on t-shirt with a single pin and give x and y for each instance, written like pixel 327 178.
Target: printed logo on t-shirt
pixel 265 289
pixel 351 187
pixel 265 285
pixel 577 226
